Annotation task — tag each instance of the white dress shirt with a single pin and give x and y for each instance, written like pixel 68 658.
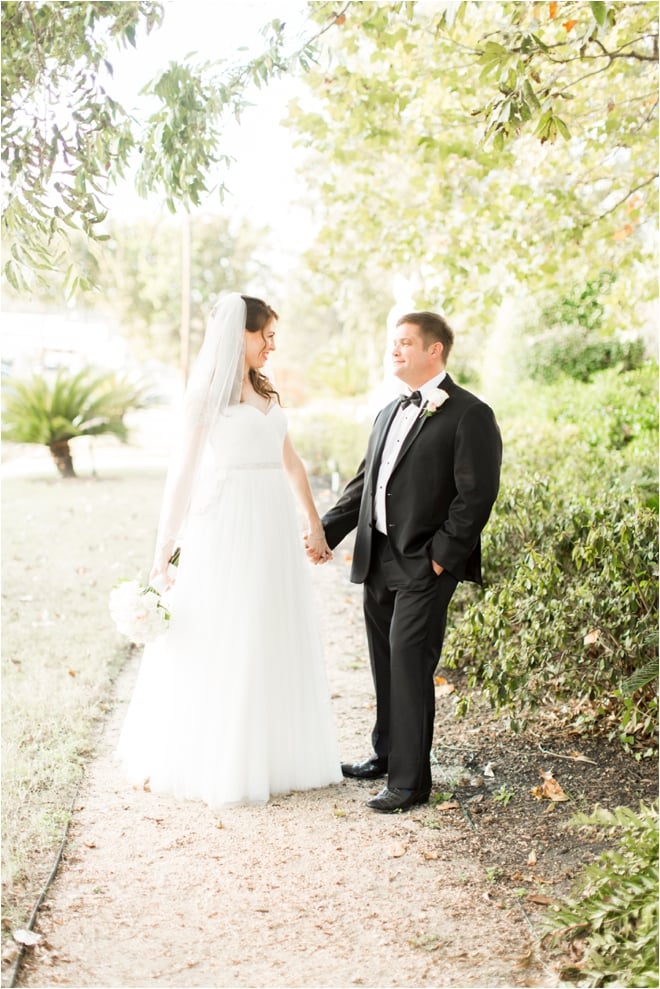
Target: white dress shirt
pixel 401 425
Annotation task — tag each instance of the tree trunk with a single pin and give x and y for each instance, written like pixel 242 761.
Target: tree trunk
pixel 61 454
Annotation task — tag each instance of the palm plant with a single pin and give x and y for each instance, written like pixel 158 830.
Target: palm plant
pixel 89 403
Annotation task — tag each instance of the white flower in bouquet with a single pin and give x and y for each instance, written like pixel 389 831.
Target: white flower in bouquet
pixel 138 612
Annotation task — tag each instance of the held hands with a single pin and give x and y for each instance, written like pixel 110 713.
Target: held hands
pixel 316 546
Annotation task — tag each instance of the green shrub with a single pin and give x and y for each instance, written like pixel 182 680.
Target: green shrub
pixel 575 620
pixel 613 913
pixel 339 369
pixel 582 306
pixel 616 410
pixel 574 341
pixel 578 354
pixel 569 615
pixel 330 443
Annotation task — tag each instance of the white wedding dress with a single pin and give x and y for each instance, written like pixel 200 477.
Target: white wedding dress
pixel 232 704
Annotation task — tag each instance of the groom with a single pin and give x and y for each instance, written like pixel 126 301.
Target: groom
pixel 420 500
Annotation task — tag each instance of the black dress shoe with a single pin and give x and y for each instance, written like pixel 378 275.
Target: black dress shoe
pixel 370 769
pixel 388 800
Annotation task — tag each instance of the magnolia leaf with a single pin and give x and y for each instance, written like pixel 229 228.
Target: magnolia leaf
pixel 540 898
pixel 27 938
pixel 549 789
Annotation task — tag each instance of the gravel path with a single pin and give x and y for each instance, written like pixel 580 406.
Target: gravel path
pixel 312 889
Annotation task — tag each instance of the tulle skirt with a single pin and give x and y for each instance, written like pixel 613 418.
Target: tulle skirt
pixel 232 704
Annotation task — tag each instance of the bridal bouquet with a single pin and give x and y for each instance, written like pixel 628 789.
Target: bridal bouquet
pixel 138 612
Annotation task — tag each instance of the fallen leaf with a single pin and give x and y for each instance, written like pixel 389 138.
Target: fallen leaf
pixel 531 858
pixel 146 787
pixel 90 844
pixel 72 673
pixel 488 770
pixel 549 789
pixel 540 898
pixel 524 961
pixel 398 850
pixel 28 938
pixel 443 689
pixel 448 805
pixel 431 856
pixel 592 637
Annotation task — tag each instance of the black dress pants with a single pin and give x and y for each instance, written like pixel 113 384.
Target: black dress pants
pixel 405 630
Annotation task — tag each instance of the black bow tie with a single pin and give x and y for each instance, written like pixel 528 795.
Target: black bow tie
pixel 415 398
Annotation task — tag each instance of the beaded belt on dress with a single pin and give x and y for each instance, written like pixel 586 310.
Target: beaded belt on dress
pixel 257 466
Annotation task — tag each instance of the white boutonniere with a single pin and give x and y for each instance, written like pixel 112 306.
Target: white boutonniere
pixel 434 402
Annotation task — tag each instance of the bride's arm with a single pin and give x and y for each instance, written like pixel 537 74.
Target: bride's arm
pixel 179 484
pixel 295 469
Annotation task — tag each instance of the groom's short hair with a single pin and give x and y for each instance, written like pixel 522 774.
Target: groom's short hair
pixel 432 327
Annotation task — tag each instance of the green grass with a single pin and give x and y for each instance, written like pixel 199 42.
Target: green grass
pixel 64 545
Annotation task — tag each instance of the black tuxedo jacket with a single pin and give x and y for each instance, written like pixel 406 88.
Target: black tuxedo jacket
pixel 439 496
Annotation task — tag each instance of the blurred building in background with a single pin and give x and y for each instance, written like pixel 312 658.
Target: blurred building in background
pixel 45 342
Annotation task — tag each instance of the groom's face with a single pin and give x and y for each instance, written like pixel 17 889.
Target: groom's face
pixel 412 361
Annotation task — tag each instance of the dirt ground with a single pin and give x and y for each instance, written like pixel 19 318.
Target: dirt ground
pixel 314 889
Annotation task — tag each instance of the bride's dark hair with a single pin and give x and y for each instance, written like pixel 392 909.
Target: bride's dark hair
pixel 259 314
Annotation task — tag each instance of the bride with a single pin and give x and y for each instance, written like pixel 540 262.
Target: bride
pixel 232 704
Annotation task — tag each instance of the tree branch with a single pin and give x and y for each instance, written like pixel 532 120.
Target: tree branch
pixel 42 63
pixel 619 53
pixel 631 192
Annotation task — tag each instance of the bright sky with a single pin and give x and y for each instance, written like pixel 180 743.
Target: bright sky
pixel 262 185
